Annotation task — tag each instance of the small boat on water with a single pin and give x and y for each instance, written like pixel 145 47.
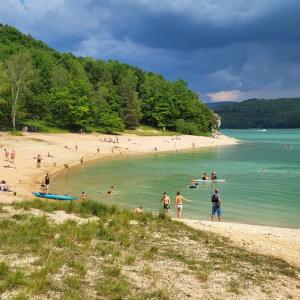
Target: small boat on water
pixel 209 180
pixel 54 196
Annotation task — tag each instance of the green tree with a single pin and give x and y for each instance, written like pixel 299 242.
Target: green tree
pixel 19 71
pixel 130 100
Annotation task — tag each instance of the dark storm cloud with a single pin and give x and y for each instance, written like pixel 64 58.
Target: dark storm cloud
pixel 222 48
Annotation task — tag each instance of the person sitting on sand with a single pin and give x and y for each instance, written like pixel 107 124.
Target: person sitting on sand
pixel 216 205
pixel 110 191
pixel 213 175
pixel 179 204
pixel 204 176
pixel 166 202
pixel 4 187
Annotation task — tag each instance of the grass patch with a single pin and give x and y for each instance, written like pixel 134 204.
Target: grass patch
pixel 15 133
pixel 42 126
pixel 73 261
pixel 144 130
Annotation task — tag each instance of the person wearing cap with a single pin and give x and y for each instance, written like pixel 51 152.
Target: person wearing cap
pixel 216 205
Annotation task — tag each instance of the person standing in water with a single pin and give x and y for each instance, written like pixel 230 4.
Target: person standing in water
pixel 216 205
pixel 166 202
pixel 213 175
pixel 179 204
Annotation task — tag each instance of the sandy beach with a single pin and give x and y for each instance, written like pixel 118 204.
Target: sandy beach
pixel 24 177
pixel 283 243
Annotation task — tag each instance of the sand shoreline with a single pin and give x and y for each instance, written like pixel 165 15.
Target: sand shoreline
pixel 27 178
pixel 283 243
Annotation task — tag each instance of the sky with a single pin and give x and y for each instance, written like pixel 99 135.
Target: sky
pixel 225 50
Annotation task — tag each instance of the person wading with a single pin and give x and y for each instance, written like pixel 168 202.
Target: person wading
pixel 179 204
pixel 216 205
pixel 166 202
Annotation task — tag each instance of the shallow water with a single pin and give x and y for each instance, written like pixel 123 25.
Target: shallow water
pixel 248 195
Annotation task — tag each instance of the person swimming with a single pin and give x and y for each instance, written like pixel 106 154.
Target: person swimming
pixel 194 185
pixel 110 191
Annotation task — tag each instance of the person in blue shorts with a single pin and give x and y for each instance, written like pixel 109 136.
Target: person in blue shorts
pixel 216 205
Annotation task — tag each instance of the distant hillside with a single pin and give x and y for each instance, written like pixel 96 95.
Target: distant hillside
pixel 260 113
pixel 61 90
pixel 212 105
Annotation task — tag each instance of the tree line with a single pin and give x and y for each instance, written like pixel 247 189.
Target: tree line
pixel 260 113
pixel 41 84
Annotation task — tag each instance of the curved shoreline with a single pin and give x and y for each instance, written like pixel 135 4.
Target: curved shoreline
pixel 26 178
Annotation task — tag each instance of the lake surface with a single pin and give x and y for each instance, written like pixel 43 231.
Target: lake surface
pixel 249 195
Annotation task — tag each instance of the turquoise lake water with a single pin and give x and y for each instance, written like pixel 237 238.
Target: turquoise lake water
pixel 248 195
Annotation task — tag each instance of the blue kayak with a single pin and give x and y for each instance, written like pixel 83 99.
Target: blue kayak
pixel 54 196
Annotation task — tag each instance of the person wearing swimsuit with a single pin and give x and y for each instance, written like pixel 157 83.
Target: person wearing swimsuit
pixel 179 204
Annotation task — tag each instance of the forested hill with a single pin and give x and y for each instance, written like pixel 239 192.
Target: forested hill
pixel 260 113
pixel 41 85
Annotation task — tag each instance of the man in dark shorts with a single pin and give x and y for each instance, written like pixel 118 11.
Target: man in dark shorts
pixel 166 202
pixel 47 182
pixel 216 205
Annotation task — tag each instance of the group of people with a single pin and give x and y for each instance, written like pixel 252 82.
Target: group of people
pixel 213 176
pixel 9 156
pixel 179 199
pixel 110 140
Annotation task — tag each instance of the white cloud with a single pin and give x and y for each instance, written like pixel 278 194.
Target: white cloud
pixel 231 95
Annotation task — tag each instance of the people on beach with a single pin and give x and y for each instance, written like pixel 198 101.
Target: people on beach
pixel 166 202
pixel 47 182
pixel 98 150
pixel 110 191
pixel 12 156
pixel 38 160
pixel 82 160
pixel 179 203
pixel 6 155
pixel 216 205
pixel 76 147
pixel 4 187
